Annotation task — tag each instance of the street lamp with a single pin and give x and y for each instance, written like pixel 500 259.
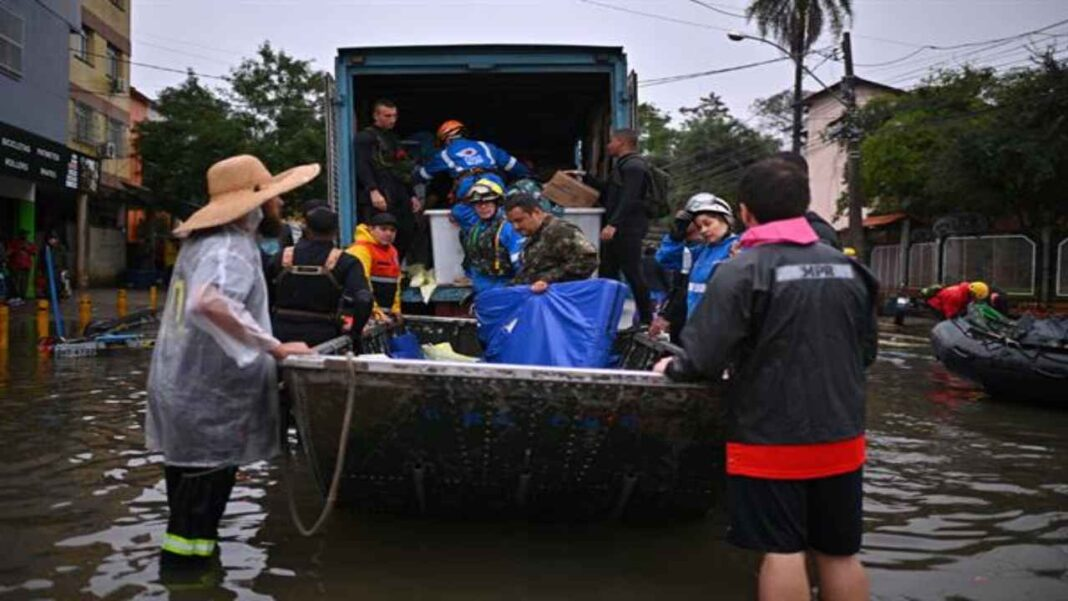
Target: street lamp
pixel 737 36
pixel 856 227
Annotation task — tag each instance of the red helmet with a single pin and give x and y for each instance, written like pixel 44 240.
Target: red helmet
pixel 449 130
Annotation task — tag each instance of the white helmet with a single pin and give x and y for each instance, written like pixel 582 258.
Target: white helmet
pixel 704 202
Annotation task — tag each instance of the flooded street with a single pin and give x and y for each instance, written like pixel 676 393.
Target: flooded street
pixel 966 499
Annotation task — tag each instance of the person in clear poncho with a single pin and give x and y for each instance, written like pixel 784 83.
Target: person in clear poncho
pixel 212 394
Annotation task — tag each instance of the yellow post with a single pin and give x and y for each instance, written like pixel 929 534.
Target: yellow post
pixel 42 319
pixel 120 304
pixel 153 298
pixel 85 311
pixel 5 316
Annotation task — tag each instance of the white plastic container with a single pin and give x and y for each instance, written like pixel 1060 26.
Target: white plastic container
pixel 449 255
pixel 445 243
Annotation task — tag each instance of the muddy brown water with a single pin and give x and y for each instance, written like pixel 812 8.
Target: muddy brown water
pixel 967 498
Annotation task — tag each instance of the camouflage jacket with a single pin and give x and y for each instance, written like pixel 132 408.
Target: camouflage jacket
pixel 558 252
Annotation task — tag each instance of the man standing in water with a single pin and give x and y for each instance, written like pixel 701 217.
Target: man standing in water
pixel 212 392
pixel 794 322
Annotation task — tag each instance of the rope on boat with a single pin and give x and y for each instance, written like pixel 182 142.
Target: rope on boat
pixel 339 465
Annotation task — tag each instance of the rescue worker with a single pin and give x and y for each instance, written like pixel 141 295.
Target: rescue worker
pixel 671 317
pixel 713 218
pixel 952 301
pixel 384 175
pixel 491 245
pixel 795 322
pixel 626 223
pixel 555 250
pixel 212 391
pixel 465 160
pixel 320 291
pixel 381 264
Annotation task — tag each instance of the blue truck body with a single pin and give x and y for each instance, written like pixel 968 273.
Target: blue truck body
pixel 512 95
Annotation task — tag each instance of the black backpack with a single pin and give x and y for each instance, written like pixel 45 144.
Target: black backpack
pixel 655 198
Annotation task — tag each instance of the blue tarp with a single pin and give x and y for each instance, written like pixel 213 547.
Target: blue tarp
pixel 570 325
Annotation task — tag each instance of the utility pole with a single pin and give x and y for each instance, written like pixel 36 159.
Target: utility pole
pixel 795 133
pixel 81 255
pixel 856 200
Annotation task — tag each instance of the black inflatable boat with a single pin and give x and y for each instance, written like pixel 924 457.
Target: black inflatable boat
pixel 1021 360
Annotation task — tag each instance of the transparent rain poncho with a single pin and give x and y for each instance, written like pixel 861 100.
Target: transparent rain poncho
pixel 212 393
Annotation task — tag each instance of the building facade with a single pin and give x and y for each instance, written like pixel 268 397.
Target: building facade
pixel 827 158
pixel 40 176
pixel 99 117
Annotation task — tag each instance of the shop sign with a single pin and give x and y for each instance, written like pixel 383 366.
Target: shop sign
pixel 31 157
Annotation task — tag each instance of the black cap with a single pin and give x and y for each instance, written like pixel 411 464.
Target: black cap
pixel 312 204
pixel 321 220
pixel 382 219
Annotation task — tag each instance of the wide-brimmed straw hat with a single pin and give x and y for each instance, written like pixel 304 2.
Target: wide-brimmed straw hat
pixel 238 185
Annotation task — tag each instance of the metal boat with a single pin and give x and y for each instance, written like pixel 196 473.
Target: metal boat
pixel 477 439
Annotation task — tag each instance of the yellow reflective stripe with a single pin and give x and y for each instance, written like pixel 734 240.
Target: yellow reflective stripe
pixel 178 545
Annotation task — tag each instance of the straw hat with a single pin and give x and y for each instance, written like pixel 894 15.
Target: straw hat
pixel 238 185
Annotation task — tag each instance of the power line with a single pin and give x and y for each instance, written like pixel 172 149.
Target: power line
pixel 150 66
pixel 674 78
pixel 717 9
pixel 964 45
pixel 653 15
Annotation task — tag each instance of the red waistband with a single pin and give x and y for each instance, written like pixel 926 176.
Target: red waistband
pixel 795 461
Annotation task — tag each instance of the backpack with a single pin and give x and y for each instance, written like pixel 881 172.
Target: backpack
pixel 655 198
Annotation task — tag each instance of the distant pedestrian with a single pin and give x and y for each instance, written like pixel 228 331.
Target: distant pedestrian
pixel 20 253
pixel 625 220
pixel 212 389
pixel 794 323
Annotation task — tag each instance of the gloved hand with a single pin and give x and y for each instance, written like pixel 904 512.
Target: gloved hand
pixel 678 227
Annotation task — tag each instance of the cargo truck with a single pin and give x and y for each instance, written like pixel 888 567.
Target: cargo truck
pixel 551 106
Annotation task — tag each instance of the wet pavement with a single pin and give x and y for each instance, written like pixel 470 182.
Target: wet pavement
pixel 967 498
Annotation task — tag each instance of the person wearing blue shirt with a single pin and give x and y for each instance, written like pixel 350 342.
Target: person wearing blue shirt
pixel 466 160
pixel 491 245
pixel 712 217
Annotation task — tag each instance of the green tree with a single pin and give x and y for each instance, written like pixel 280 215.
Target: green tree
pixel 657 136
pixel 1018 156
pixel 972 141
pixel 197 129
pixel 279 100
pixel 797 24
pixel 712 150
pixel 775 114
pixel 272 110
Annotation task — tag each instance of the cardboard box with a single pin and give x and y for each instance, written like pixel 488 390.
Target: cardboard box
pixel 567 191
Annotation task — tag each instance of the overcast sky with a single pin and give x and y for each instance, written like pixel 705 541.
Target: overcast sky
pixel 211 36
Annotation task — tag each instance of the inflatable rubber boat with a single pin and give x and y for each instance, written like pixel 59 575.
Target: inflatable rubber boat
pixel 1019 360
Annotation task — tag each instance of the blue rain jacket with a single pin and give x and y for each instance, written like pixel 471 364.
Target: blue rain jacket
pixel 462 156
pixel 705 259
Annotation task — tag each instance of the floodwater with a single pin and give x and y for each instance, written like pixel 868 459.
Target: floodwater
pixel 967 498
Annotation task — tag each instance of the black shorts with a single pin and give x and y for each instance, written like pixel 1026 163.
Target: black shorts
pixel 791 516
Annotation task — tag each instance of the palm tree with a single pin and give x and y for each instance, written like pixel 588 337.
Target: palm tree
pixel 797 24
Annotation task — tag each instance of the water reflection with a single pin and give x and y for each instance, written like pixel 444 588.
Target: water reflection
pixel 966 498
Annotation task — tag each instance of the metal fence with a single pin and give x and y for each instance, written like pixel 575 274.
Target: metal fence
pixel 923 264
pixel 886 264
pixel 1007 261
pixel 1062 268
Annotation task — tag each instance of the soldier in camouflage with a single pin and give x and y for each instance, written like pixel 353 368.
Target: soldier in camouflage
pixel 555 250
